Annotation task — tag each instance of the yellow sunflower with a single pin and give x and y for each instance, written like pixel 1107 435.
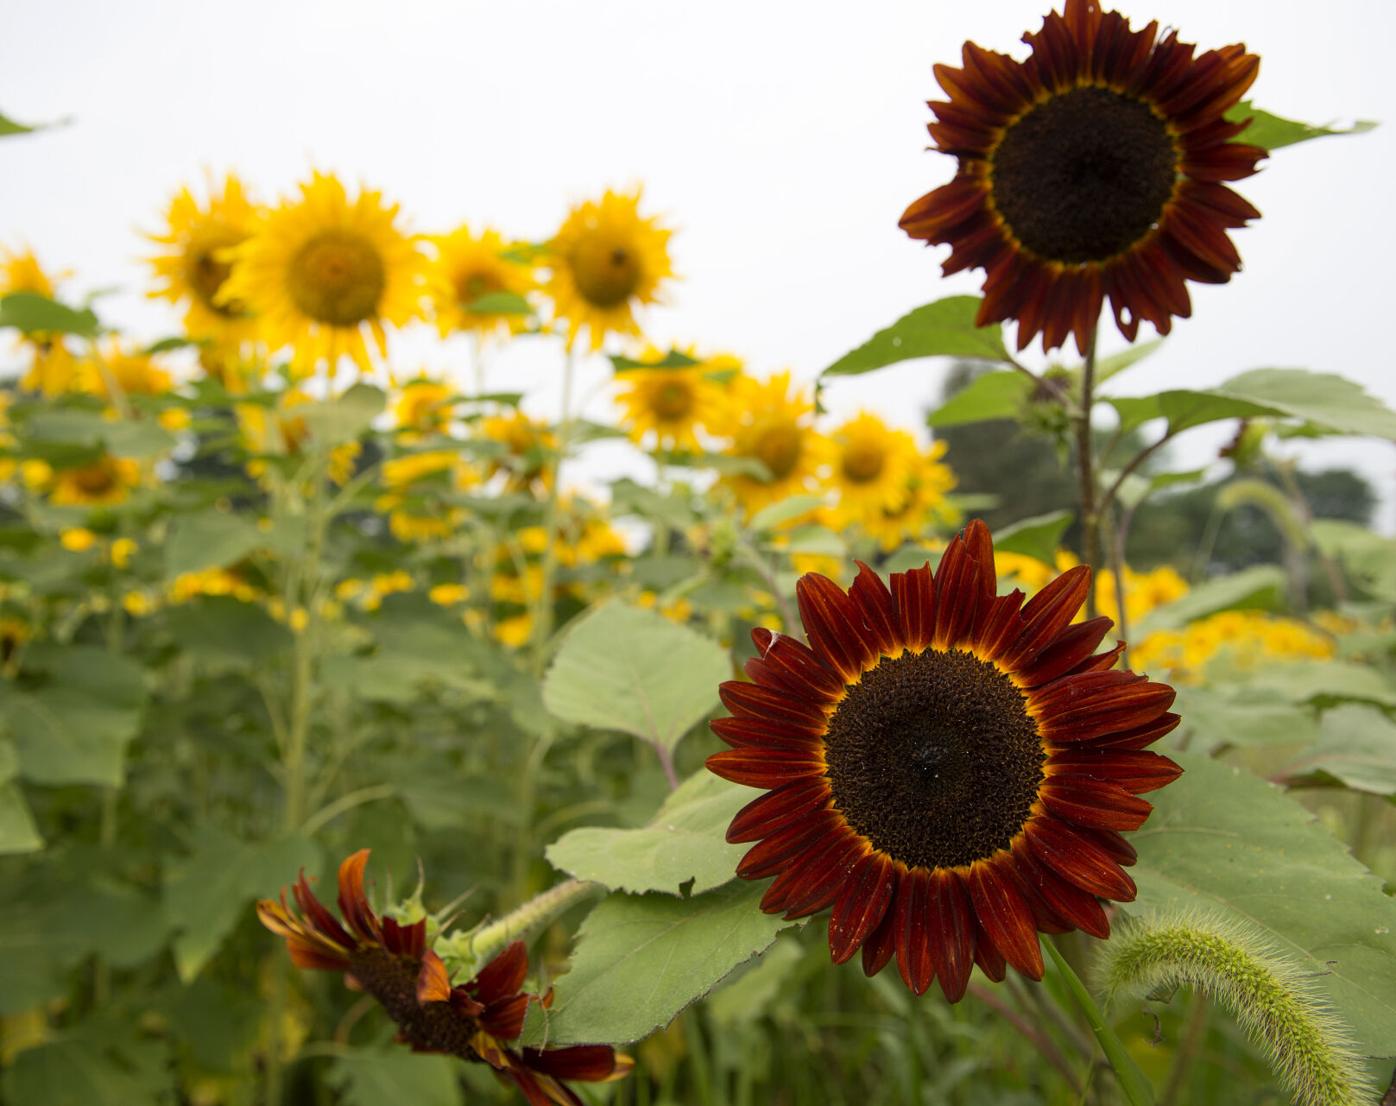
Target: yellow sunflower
pixel 670 407
pixel 322 273
pixel 606 259
pixel 870 468
pixel 925 505
pixel 422 408
pixel 771 422
pixel 409 482
pixel 469 267
pixel 194 268
pixel 52 368
pixel 528 444
pixel 104 482
pixel 277 432
pixel 135 373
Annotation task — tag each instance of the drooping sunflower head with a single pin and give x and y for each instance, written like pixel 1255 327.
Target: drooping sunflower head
pixel 103 482
pixel 325 275
pixel 1092 170
pixel 477 1020
pixel 195 264
pixel 771 422
pixel 670 407
pixel 605 260
pixel 467 269
pixel 947 768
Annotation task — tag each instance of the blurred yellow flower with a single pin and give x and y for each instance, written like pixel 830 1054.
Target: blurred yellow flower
pixel 468 267
pixel 870 468
pixel 771 422
pixel 669 407
pixel 211 581
pixel 528 444
pixel 605 260
pixel 1144 592
pixel 104 482
pixel 325 274
pixel 1247 639
pixel 196 265
pixel 116 365
pixel 410 480
pixel 514 631
pixel 77 539
pixel 422 407
pixel 276 432
pixel 676 610
pixel 448 595
pixel 52 368
pixel 926 506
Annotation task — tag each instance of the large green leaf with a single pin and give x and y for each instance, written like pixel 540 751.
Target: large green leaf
pixel 1258 588
pixel 1223 841
pixel 1038 537
pixel 1272 132
pixel 944 328
pixel 641 959
pixel 629 669
pixel 208 539
pixel 500 303
pixel 786 510
pixel 1321 683
pixel 995 395
pixel 75 727
pixel 35 314
pixel 18 834
pixel 1214 718
pixel 223 632
pixel 1356 746
pixel 683 845
pixel 1369 558
pixel 217 883
pixel 102 1063
pixel 394 1077
pixel 1324 398
pixel 345 417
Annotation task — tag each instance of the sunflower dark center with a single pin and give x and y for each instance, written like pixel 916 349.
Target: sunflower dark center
pixel 337 278
pixel 205 269
pixel 778 447
pixel 607 272
pixel 1084 176
pixel 473 286
pixel 673 400
pixel 95 479
pixel 427 1026
pixel 932 756
pixel 863 462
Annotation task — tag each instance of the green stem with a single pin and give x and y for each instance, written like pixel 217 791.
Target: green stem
pixel 1132 1081
pixel 520 924
pixel 543 616
pixel 1090 521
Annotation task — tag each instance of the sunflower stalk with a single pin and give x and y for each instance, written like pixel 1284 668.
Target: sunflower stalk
pixel 480 946
pixel 1090 518
pixel 543 615
pixel 1133 1082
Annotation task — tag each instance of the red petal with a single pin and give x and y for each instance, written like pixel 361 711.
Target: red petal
pixel 1136 772
pixel 775 852
pixel 1049 612
pixel 1006 917
pixel 747 700
pixel 765 815
pixel 874 601
pixel 881 943
pixel 433 983
pixel 816 882
pixel 584 1063
pixel 950 933
pixel 353 903
pixel 767 768
pixel 1075 857
pixel 912 910
pixel 834 626
pixel 503 976
pixel 914 594
pixel 861 905
pixel 1077 907
pixel 1094 803
pixel 792 665
pixel 503 1019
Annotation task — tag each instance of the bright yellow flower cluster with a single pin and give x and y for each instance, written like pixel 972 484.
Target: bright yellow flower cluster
pixel 1144 591
pixel 1246 639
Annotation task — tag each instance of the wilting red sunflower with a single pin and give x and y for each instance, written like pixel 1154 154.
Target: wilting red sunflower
pixel 947 768
pixel 473 1020
pixel 1092 169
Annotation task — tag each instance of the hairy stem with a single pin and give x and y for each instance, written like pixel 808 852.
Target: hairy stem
pixel 1085 464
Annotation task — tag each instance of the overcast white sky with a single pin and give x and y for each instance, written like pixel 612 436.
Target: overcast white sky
pixel 781 138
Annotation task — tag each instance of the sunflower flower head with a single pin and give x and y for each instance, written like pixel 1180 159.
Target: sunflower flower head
pixel 105 481
pixel 771 422
pixel 194 265
pixel 423 408
pixel 326 275
pixel 924 507
pixel 477 1020
pixel 470 267
pixel 669 407
pixel 527 446
pixel 116 365
pixel 52 368
pixel 1093 170
pixel 605 260
pixel 947 768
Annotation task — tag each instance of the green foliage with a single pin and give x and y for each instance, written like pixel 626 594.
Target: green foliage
pixel 31 313
pixel 991 395
pixel 389 1076
pixel 681 851
pixel 1356 747
pixel 945 328
pixel 1038 537
pixel 628 669
pixel 641 959
pixel 209 539
pixel 500 303
pixel 1256 589
pixel 97 1064
pixel 1273 132
pixel 18 833
pixel 345 417
pixel 1221 840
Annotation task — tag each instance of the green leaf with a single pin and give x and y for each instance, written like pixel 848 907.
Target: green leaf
pixel 1273 132
pixel 8 127
pixel 1323 398
pixel 629 669
pixel 1038 537
pixel 344 418
pixel 1322 683
pixel 757 985
pixel 216 886
pixel 671 360
pixel 208 539
pixel 500 303
pixel 812 539
pixel 35 314
pixel 1258 588
pixel 995 395
pixel 944 328
pixel 1106 367
pixel 1134 489
pixel 1214 719
pixel 1369 558
pixel 74 729
pixel 683 845
pixel 225 633
pixel 1356 747
pixel 166 345
pixel 96 1064
pixel 18 833
pixel 1224 841
pixel 787 510
pixel 641 959
pixel 395 1076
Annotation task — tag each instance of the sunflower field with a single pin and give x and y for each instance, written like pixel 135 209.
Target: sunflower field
pixel 365 741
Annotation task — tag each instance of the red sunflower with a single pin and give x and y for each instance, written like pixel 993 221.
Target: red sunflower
pixel 474 1020
pixel 947 768
pixel 1091 170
